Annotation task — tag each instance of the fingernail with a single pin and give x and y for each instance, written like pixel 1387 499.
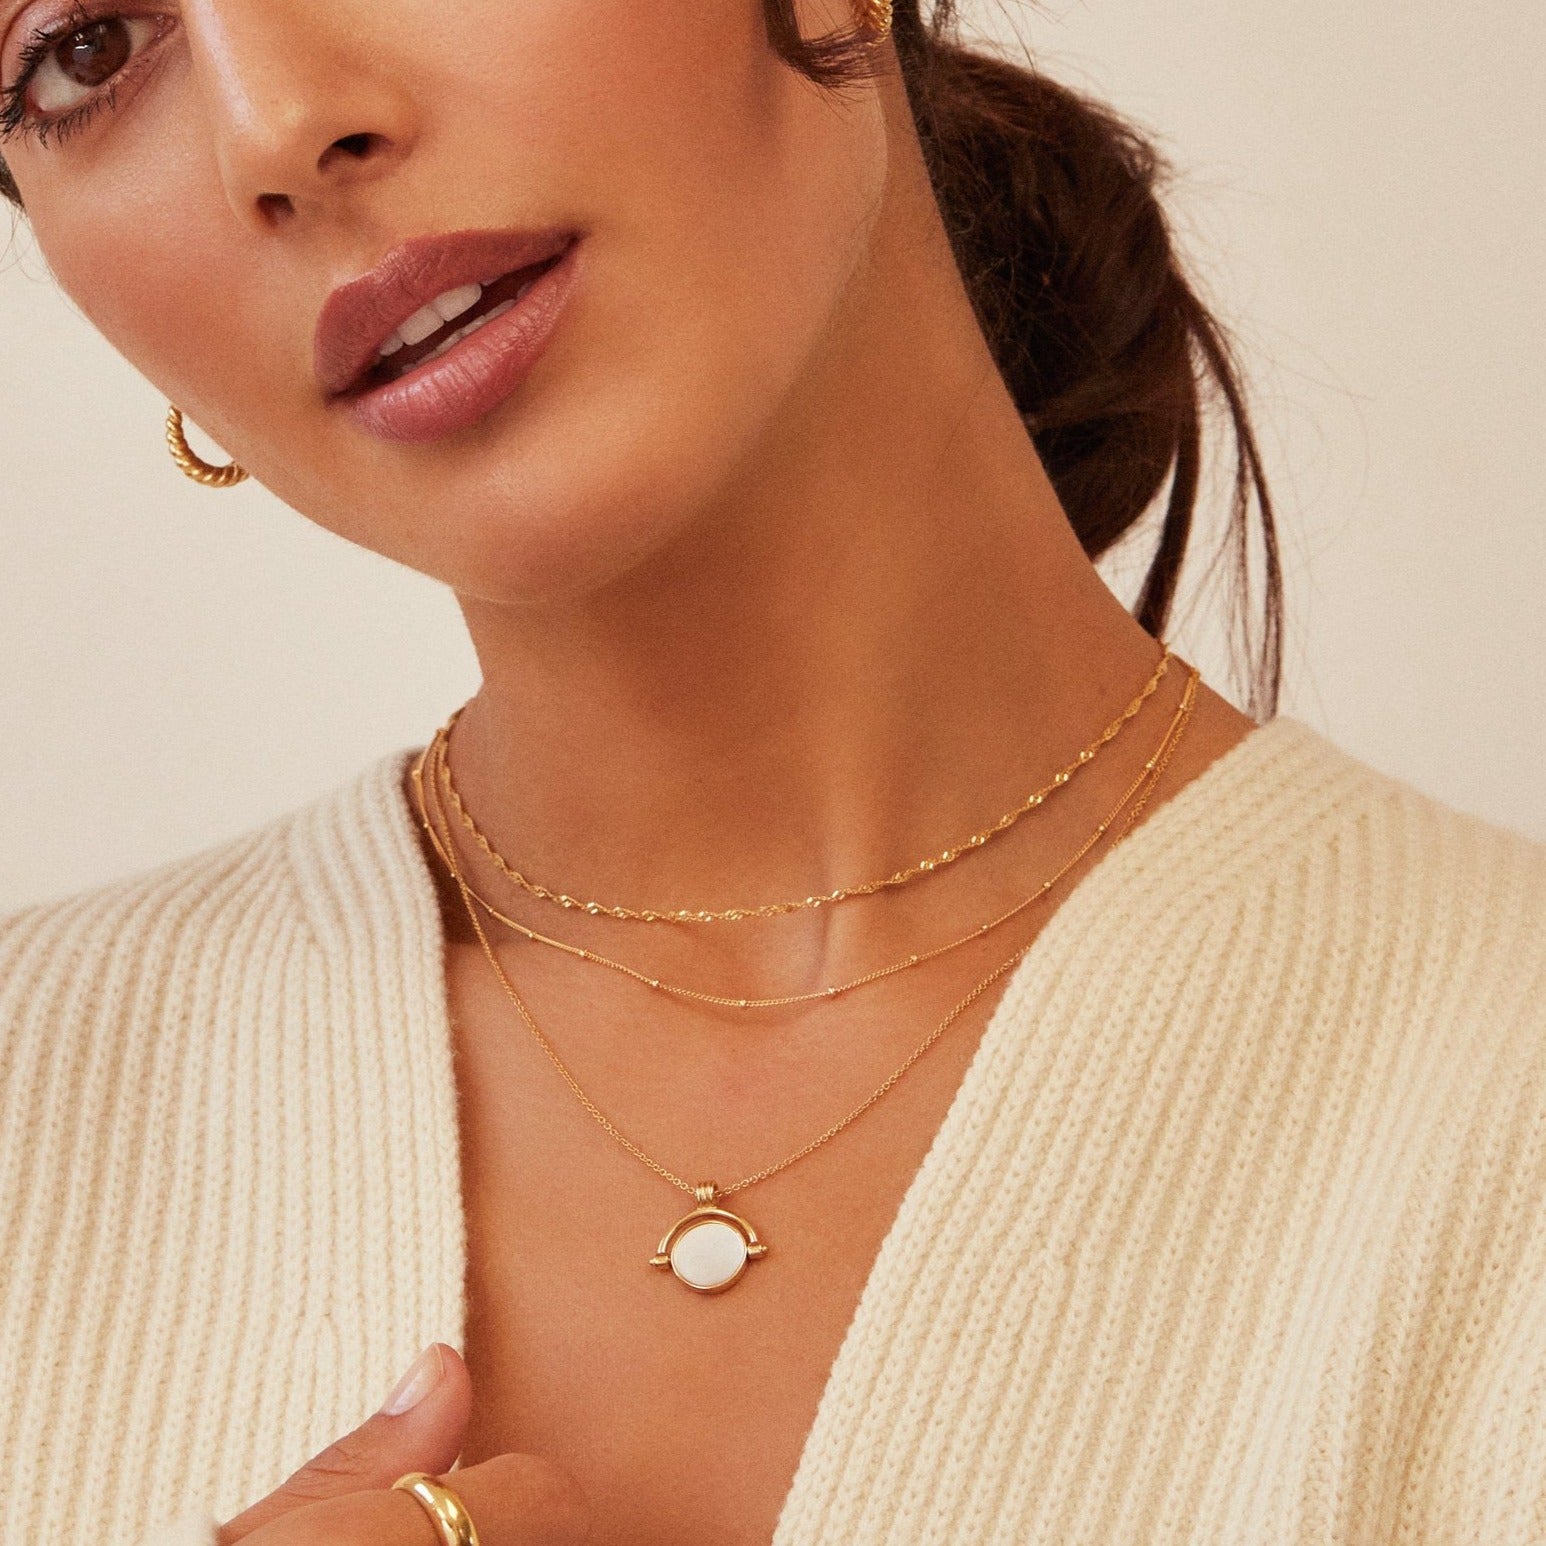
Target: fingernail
pixel 422 1377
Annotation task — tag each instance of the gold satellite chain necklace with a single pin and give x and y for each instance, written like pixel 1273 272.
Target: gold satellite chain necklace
pixel 774 909
pixel 710 1247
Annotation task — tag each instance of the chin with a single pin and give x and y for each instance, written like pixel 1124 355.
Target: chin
pixel 524 519
pixel 558 555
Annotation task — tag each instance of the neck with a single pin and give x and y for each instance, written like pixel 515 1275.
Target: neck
pixel 879 635
pixel 795 702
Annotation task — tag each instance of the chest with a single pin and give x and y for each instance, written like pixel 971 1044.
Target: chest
pixel 683 1415
pixel 1020 1299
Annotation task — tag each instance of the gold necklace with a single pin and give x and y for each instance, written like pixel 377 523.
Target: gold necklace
pixel 842 893
pixel 433 757
pixel 710 1247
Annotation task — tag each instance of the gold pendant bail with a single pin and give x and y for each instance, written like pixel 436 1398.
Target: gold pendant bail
pixel 705 1192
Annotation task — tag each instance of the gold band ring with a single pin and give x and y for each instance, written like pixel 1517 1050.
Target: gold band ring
pixel 451 1520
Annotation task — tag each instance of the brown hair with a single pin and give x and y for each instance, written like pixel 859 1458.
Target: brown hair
pixel 1052 206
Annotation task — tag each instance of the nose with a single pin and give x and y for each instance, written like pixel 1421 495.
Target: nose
pixel 303 110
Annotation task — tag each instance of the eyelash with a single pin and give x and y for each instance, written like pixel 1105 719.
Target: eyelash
pixel 13 98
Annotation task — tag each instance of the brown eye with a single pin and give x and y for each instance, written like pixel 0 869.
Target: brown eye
pixel 86 60
pixel 95 53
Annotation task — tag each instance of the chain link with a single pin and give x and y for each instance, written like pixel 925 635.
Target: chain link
pixel 435 757
pixel 775 909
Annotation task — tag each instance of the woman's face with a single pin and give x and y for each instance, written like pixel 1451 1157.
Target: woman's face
pixel 230 163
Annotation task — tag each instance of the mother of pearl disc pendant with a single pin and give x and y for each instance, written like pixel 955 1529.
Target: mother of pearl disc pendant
pixel 708 1249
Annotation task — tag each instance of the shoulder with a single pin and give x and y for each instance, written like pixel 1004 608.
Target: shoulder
pixel 196 1062
pixel 1339 904
pixel 1411 979
pixel 1401 939
pixel 184 936
pixel 1352 853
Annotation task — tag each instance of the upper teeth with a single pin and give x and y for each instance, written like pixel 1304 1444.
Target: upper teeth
pixel 430 319
pixel 446 308
pixel 452 339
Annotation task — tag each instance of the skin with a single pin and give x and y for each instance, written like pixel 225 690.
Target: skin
pixel 770 593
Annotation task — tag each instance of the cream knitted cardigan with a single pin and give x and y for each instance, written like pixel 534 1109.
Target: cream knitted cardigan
pixel 1235 1231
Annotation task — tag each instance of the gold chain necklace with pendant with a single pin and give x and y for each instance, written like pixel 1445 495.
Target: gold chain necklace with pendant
pixel 842 893
pixel 710 1247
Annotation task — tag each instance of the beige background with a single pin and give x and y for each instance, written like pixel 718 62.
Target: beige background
pixel 1361 185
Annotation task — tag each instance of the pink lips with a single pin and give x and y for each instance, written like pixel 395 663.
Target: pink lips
pixel 460 386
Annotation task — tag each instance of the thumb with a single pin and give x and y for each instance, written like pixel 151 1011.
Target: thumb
pixel 418 1428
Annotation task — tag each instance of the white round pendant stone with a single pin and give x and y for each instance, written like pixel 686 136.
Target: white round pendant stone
pixel 709 1255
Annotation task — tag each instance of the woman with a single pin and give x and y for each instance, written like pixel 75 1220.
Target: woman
pixel 1146 1139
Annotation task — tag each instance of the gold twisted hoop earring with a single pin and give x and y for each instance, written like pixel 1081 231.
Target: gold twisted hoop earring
pixel 194 465
pixel 875 17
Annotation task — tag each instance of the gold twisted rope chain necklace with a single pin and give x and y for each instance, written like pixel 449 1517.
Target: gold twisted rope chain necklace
pixel 710 1247
pixel 842 893
pixel 432 761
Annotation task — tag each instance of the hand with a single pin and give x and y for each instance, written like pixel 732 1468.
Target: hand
pixel 344 1496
